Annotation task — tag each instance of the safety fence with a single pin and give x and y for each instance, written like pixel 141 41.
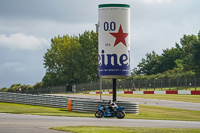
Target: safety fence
pixel 77 104
pixel 140 85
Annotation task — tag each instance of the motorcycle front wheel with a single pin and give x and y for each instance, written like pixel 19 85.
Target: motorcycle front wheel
pixel 99 114
pixel 120 114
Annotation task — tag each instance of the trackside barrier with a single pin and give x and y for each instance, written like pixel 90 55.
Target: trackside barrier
pixel 182 92
pixel 40 100
pixel 71 103
pixel 91 106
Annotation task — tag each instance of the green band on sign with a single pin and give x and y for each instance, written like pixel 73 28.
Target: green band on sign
pixel 114 5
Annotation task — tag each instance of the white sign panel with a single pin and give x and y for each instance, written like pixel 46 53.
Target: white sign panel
pixel 114 40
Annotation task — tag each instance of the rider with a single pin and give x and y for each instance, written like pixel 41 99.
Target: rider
pixel 112 105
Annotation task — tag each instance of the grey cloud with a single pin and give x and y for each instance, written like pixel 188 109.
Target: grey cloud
pixel 75 11
pixel 20 66
pixel 22 41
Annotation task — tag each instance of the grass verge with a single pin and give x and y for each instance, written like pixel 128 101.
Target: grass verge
pixel 165 113
pixel 95 129
pixel 38 110
pixel 146 112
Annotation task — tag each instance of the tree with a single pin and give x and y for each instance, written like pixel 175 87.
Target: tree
pixel 60 61
pixel 186 55
pixel 88 56
pixel 195 55
pixel 71 59
pixel 191 55
pixel 149 65
pixel 168 58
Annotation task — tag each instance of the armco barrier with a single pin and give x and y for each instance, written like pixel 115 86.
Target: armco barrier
pixel 40 100
pixel 77 104
pixel 91 106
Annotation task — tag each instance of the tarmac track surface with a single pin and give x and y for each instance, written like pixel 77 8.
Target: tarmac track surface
pixel 19 123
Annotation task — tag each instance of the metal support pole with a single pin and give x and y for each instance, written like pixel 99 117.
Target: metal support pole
pixel 146 85
pixel 139 85
pixel 177 83
pixel 195 82
pixel 186 83
pixel 100 89
pixel 114 90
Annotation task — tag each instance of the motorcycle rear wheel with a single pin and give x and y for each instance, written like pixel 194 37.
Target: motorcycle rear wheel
pixel 99 114
pixel 120 114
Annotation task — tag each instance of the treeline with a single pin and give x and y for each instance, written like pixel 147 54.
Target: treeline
pixel 23 88
pixel 183 60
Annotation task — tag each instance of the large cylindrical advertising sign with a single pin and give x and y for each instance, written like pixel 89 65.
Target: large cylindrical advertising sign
pixel 114 40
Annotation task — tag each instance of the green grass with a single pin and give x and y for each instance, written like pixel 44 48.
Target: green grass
pixel 164 113
pixel 38 110
pixel 146 112
pixel 95 129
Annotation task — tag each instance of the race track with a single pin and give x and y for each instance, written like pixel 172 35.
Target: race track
pixel 19 123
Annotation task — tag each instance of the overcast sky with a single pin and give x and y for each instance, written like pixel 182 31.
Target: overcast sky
pixel 26 27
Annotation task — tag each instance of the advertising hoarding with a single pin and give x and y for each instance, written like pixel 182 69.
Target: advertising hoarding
pixel 114 40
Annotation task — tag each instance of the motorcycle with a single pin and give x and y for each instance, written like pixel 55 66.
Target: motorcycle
pixel 107 112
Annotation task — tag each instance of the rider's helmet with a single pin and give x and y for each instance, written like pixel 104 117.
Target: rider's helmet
pixel 109 101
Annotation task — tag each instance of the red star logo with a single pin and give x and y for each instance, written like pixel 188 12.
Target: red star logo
pixel 120 36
